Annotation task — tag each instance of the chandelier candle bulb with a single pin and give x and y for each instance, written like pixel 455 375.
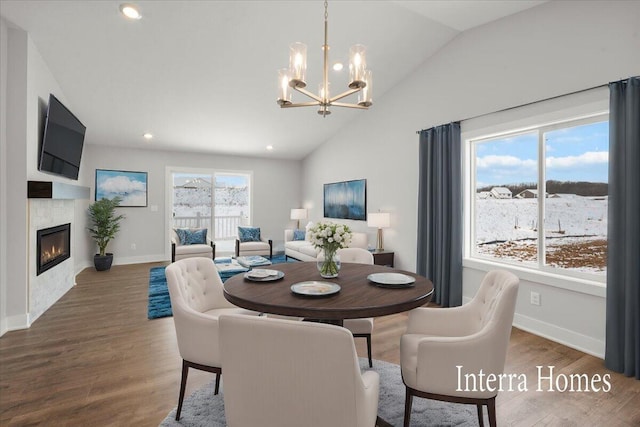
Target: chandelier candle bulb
pixel 357 66
pixel 365 96
pixel 284 95
pixel 298 64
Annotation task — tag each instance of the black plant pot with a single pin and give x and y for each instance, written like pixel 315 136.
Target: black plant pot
pixel 103 263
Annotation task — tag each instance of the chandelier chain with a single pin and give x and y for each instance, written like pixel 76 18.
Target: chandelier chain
pixel 326 10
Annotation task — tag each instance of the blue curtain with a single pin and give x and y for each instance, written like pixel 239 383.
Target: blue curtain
pixel 622 352
pixel 440 212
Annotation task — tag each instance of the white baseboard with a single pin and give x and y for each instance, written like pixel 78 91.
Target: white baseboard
pixel 140 259
pixel 17 322
pixel 563 336
pixel 560 335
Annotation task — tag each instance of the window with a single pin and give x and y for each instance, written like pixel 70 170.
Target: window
pixel 548 214
pixel 197 193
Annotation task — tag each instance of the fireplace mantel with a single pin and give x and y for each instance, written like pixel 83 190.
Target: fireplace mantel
pixel 56 190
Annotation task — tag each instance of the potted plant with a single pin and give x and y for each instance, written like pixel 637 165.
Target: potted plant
pixel 105 226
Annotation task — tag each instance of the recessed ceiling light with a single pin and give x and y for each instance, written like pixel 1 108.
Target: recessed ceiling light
pixel 130 11
pixel 147 136
pixel 337 66
pixel 269 147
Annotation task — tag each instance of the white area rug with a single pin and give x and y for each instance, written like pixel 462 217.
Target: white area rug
pixel 203 408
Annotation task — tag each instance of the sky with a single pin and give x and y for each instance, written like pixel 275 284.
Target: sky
pixel 579 153
pixel 231 180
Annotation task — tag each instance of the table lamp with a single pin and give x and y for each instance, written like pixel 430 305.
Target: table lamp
pixel 298 214
pixel 379 220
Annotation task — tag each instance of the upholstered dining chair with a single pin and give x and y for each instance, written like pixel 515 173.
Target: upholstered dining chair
pixel 360 328
pixel 197 300
pixel 285 373
pixel 474 337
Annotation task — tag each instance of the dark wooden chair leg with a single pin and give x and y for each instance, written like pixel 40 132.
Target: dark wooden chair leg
pixel 408 402
pixel 491 407
pixel 368 337
pixel 217 384
pixel 480 416
pixel 183 384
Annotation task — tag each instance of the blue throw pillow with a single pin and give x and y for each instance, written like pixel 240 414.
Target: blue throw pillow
pixel 192 237
pixel 299 234
pixel 249 234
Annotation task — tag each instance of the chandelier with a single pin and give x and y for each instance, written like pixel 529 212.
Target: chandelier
pixel 360 80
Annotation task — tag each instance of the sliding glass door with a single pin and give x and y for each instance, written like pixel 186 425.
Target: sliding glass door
pixel 218 201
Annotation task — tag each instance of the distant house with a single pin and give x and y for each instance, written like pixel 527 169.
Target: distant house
pixel 195 183
pixel 527 194
pixel 501 193
pixel 485 195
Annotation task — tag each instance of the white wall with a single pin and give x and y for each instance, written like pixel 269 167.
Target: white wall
pixel 4 33
pixel 276 189
pixel 26 91
pixel 550 50
pixel 15 179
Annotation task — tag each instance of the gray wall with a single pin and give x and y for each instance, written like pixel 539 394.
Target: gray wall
pixel 276 189
pixel 4 33
pixel 550 50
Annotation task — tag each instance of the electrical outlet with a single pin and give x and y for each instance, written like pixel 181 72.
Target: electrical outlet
pixel 133 246
pixel 535 298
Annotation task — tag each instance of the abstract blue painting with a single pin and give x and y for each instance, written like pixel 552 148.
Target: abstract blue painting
pixel 130 186
pixel 346 200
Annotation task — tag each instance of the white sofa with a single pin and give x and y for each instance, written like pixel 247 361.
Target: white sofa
pixel 303 250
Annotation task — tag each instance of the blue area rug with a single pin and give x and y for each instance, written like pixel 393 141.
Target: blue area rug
pixel 159 302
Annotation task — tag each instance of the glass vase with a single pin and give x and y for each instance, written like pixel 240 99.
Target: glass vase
pixel 329 265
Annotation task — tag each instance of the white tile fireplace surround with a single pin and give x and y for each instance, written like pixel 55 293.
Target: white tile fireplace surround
pixel 45 289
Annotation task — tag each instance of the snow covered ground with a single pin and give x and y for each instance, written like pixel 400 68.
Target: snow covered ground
pixel 574 225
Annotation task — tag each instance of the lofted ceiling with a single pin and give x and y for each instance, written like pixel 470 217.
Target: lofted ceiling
pixel 201 75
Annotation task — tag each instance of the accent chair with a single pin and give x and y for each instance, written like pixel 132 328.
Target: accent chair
pixel 284 373
pixel 474 336
pixel 197 301
pixel 360 328
pixel 188 247
pixel 249 242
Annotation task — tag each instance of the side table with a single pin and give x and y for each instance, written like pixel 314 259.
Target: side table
pixel 383 258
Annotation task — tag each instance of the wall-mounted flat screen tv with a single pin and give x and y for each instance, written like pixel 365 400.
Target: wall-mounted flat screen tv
pixel 61 148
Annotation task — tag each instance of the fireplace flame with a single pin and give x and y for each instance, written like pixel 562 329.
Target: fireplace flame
pixel 50 254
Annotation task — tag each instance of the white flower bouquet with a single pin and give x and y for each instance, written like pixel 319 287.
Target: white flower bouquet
pixel 329 237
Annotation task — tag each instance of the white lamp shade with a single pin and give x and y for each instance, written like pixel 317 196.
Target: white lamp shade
pixel 379 220
pixel 298 214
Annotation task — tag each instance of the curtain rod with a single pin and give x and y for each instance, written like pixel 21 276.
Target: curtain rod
pixel 531 103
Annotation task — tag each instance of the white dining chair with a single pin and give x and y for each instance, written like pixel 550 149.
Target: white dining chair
pixel 360 328
pixel 197 302
pixel 474 336
pixel 285 373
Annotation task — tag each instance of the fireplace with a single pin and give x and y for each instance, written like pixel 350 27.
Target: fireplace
pixel 53 247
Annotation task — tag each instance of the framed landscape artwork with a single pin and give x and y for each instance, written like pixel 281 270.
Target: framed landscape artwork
pixel 346 200
pixel 130 186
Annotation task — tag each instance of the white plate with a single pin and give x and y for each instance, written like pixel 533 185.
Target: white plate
pixel 264 276
pixel 391 279
pixel 315 288
pixel 260 273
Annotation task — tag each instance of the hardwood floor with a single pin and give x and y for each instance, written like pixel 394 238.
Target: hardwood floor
pixel 95 359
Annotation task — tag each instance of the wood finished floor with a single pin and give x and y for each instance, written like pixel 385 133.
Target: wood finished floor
pixel 94 359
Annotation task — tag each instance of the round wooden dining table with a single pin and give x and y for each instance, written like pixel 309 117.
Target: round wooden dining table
pixel 357 298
